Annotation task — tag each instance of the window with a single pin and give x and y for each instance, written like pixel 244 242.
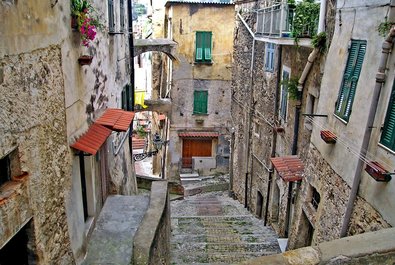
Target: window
pixel 5 170
pixel 203 46
pixel 388 135
pixel 284 94
pixel 121 15
pixel 200 102
pixel 269 56
pixel 350 79
pixel 315 199
pixel 126 98
pixel 111 20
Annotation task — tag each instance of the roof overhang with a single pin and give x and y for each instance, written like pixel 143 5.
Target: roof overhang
pixel 116 119
pixel 290 168
pixel 91 141
pixel 198 134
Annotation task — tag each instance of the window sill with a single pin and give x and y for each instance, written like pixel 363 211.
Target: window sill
pixel 340 119
pixel 11 187
pixel 203 63
pixel 116 33
pixel 392 152
pixel 199 114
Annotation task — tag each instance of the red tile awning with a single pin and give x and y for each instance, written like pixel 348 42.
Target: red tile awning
pixel 198 135
pixel 116 119
pixel 91 141
pixel 290 168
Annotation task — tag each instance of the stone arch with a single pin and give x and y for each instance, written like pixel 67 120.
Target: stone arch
pixel 159 45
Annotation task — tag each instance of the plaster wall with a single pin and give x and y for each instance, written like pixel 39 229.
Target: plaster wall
pixel 355 26
pixel 33 121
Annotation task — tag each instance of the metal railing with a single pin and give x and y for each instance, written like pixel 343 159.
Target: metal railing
pixel 274 20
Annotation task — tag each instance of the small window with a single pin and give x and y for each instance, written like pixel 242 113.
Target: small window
pixel 5 170
pixel 284 94
pixel 200 102
pixel 315 199
pixel 388 134
pixel 111 20
pixel 126 98
pixel 203 46
pixel 121 15
pixel 269 56
pixel 350 79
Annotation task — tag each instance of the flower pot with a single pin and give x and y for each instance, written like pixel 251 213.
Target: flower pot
pixel 85 60
pixel 377 171
pixel 328 137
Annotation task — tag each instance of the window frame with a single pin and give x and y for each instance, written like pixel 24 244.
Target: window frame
pixel 5 173
pixel 387 137
pixel 270 51
pixel 202 107
pixel 284 94
pixel 111 16
pixel 126 98
pixel 122 15
pixel 351 74
pixel 205 54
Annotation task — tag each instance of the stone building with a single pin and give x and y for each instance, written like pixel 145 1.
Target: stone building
pixel 64 137
pixel 282 170
pixel 199 85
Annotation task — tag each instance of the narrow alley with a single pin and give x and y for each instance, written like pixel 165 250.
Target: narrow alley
pixel 212 228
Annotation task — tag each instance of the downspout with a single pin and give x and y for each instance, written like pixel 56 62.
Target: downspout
pixel 274 140
pixel 380 79
pixel 248 127
pixel 131 54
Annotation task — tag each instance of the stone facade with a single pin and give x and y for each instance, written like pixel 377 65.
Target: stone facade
pixel 189 75
pixel 48 101
pixel 261 133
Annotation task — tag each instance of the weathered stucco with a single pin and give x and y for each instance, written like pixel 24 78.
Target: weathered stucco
pixel 33 120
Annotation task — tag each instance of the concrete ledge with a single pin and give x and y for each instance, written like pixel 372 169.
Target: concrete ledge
pixel 207 188
pixel 152 239
pixel 368 248
pixel 144 182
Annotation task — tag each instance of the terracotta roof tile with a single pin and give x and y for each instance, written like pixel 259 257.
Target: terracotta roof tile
pixel 116 119
pixel 198 135
pixel 93 139
pixel 290 168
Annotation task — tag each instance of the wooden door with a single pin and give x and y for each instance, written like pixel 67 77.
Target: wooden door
pixel 192 147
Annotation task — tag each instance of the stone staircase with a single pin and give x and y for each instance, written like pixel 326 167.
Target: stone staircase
pixel 215 229
pixel 138 143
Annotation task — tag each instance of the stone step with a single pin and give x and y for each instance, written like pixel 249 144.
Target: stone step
pixel 189 175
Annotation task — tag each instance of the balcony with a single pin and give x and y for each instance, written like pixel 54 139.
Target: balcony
pixel 276 24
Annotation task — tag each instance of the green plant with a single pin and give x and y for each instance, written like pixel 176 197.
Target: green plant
pixel 292 87
pixel 319 41
pixel 305 20
pixel 87 21
pixel 141 131
pixel 384 27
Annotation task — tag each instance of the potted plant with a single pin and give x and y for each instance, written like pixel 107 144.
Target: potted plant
pixel 85 19
pixel 328 137
pixel 377 171
pixel 85 59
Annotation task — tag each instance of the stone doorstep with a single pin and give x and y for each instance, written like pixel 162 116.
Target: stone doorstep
pixel 189 175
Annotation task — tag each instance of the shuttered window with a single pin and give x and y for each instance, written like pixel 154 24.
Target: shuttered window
pixel 126 98
pixel 284 95
pixel 203 46
pixel 350 79
pixel 111 20
pixel 388 135
pixel 200 102
pixel 269 57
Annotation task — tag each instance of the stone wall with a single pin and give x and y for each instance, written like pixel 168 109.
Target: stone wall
pixel 33 120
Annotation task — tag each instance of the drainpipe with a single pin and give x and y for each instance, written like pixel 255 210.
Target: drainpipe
pixel 274 140
pixel 380 79
pixel 248 127
pixel 131 54
pixel 232 148
pixel 321 23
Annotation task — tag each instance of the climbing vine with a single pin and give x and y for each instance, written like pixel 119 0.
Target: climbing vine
pixel 292 87
pixel 384 27
pixel 305 19
pixel 319 42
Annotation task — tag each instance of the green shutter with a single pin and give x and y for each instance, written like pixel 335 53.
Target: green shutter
pixel 200 102
pixel 203 46
pixel 124 99
pixel 388 135
pixel 350 79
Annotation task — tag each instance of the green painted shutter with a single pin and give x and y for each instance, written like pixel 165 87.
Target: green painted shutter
pixel 200 102
pixel 388 135
pixel 199 47
pixel 207 46
pixel 350 79
pixel 124 99
pixel 203 46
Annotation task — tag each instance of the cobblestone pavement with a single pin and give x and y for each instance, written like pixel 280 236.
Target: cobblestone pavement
pixel 212 228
